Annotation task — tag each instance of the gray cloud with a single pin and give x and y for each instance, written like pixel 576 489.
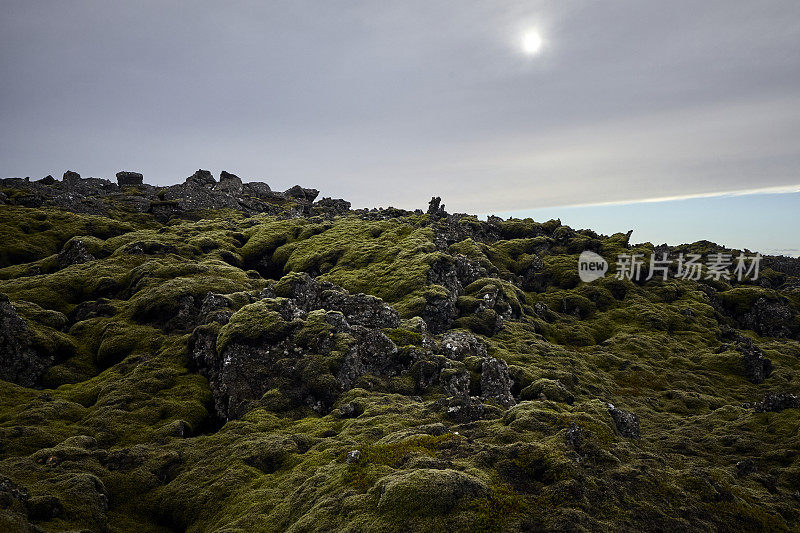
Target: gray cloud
pixel 389 104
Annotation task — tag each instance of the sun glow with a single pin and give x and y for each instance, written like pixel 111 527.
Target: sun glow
pixel 532 42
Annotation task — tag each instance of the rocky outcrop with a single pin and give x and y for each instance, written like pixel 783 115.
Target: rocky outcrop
pixel 776 402
pixel 129 179
pixel 20 361
pixel 197 193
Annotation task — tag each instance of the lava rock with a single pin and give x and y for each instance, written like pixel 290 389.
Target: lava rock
pixel 436 207
pixel 301 193
pixel 128 179
pixel 74 252
pixel 626 422
pixel 496 382
pixel 230 183
pixel 757 367
pixel 20 362
pixel 775 403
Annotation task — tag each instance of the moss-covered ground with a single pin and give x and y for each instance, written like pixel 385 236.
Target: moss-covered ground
pixel 122 432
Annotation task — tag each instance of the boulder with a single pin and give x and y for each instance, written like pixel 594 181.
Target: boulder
pixel 626 422
pixel 74 252
pixel 301 193
pixel 230 183
pixel 128 179
pixel 201 178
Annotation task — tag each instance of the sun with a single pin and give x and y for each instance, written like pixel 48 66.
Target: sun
pixel 532 42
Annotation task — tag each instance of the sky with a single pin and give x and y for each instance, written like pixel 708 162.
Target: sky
pixel 391 103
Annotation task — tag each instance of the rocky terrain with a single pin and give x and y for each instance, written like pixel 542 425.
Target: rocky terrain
pixel 219 356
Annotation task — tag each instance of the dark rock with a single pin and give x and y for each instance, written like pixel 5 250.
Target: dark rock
pixel 626 422
pixel 770 318
pixel 148 248
pixel 373 353
pixel 457 345
pixel 70 177
pixel 202 178
pixel 775 403
pixel 48 180
pixel 230 183
pixel 436 207
pixel 20 362
pixel 757 367
pixel 74 252
pixel 300 193
pixel 359 309
pixel 333 207
pixel 128 179
pixel 574 436
pixel 496 383
pixel 464 410
pixel 353 456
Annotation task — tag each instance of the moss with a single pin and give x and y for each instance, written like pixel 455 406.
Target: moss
pixel 404 337
pixel 121 406
pixel 252 323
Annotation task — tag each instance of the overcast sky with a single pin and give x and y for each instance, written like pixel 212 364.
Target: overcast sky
pixel 389 103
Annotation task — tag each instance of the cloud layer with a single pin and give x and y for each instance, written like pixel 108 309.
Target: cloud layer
pixel 392 104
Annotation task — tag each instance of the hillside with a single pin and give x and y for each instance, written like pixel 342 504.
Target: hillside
pixel 218 356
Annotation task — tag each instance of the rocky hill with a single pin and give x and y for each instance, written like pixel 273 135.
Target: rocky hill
pixel 218 356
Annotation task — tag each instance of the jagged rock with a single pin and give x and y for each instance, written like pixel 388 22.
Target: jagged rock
pixel 300 193
pixel 770 318
pixel 286 355
pixel 436 207
pixel 20 362
pixel 775 403
pixel 332 206
pixel 74 252
pixel 48 180
pixel 757 367
pixel 626 422
pixel 127 179
pixel 464 410
pixel 458 345
pixel 203 178
pixel 359 309
pixel 353 456
pixel 496 382
pixel 230 183
pixel 373 353
pixel 70 177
